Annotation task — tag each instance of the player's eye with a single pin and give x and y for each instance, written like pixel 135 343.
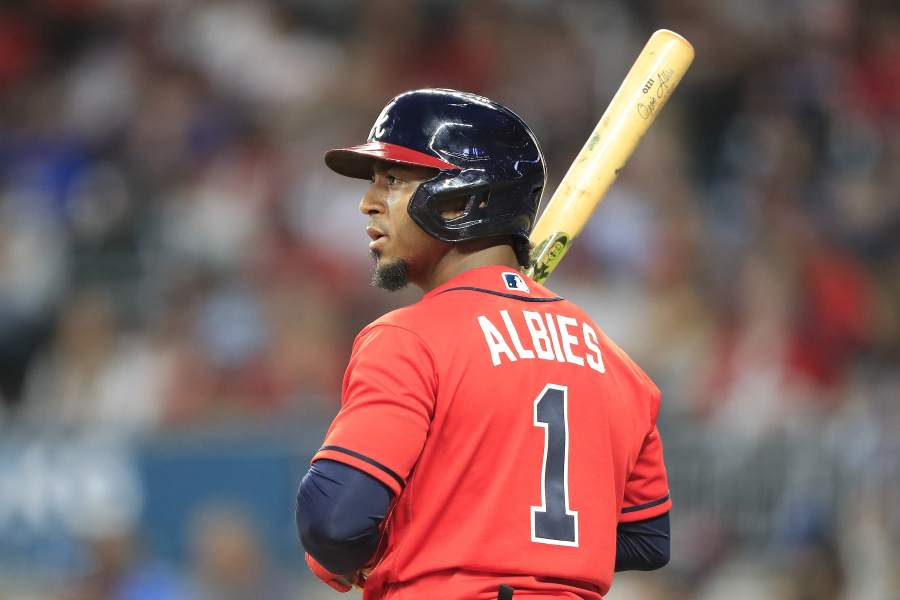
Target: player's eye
pixel 393 180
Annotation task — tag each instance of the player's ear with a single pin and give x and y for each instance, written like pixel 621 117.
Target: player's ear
pixel 453 208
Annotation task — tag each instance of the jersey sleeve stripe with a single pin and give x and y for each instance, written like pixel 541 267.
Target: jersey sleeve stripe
pixel 650 504
pixel 367 460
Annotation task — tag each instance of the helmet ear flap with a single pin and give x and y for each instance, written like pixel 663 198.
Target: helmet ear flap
pixel 454 208
pixel 537 192
pixel 447 206
pixel 481 200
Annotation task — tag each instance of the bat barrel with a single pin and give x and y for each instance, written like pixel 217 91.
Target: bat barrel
pixel 643 93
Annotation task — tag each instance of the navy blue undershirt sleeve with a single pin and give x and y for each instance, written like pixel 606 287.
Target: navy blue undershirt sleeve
pixel 339 509
pixel 643 545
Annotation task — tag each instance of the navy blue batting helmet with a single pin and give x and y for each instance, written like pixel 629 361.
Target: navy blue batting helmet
pixel 484 154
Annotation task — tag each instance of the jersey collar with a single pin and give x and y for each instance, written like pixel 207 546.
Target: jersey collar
pixel 495 278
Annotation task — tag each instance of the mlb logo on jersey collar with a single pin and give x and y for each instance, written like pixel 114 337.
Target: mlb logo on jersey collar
pixel 514 281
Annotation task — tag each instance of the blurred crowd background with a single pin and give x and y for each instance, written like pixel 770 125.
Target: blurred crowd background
pixel 181 277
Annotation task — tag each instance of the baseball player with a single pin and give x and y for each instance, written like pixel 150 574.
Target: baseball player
pixel 492 441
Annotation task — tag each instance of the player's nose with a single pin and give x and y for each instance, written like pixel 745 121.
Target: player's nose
pixel 370 203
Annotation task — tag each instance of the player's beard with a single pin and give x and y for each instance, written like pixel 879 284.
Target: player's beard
pixel 390 276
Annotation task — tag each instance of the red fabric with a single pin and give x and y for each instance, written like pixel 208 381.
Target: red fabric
pixel 647 490
pixel 427 412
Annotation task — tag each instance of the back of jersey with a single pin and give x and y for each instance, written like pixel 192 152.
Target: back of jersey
pixel 540 439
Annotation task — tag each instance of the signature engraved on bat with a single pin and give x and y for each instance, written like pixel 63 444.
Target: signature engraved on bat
pixel 646 110
pixel 662 91
pixel 664 77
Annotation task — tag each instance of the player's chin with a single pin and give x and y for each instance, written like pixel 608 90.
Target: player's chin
pixel 390 275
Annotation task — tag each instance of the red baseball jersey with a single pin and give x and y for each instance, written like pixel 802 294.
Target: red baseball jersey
pixel 514 433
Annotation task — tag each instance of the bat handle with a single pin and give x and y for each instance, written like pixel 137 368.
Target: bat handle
pixel 547 254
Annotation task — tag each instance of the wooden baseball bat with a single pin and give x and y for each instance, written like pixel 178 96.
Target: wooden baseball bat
pixel 643 93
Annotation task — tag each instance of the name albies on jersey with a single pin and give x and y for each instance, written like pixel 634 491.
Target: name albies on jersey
pixel 515 435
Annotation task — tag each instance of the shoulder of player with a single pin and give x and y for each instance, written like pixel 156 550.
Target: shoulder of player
pixel 629 363
pixel 618 354
pixel 405 321
pixel 543 290
pixel 407 317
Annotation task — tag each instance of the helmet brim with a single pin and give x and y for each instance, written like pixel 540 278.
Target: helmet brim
pixel 357 161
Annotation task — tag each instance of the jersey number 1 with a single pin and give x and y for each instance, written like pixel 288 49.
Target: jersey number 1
pixel 553 522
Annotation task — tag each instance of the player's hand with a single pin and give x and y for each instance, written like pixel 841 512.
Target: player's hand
pixel 342 583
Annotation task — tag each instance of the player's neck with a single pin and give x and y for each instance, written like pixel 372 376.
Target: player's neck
pixel 466 257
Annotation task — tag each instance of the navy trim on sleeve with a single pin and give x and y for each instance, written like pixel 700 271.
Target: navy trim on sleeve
pixel 651 504
pixel 366 459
